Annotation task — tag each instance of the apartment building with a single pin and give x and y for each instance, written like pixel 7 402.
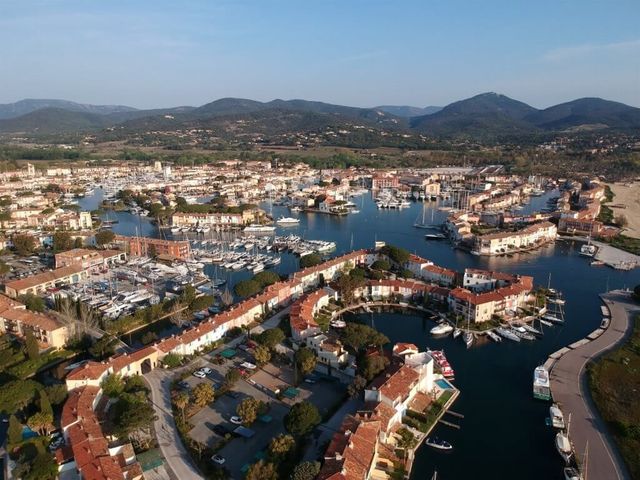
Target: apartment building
pixel 504 242
pixel 89 259
pixel 16 320
pixel 142 246
pixel 39 283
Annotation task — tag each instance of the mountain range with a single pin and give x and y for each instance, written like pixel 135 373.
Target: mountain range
pixel 487 115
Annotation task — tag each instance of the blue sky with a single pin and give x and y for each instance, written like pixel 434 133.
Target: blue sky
pixel 153 53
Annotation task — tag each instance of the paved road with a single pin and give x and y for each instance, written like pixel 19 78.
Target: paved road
pixel 173 450
pixel 570 389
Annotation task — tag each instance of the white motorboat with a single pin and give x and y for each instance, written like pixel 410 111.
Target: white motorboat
pixel 288 221
pixel 508 334
pixel 556 416
pixel 441 329
pixel 435 236
pixel 563 445
pixel 588 250
pixel 457 332
pixel 438 444
pixel 494 337
pixel 257 228
pixel 552 318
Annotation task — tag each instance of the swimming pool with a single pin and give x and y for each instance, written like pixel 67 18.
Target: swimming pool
pixel 442 383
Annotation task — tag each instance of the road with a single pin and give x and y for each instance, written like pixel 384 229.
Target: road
pixel 171 445
pixel 570 389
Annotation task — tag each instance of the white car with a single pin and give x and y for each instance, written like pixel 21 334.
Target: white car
pixel 236 420
pixel 206 370
pixel 219 459
pixel 248 366
pixel 199 374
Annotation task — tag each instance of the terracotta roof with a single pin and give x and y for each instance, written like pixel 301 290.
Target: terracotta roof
pixel 46 277
pixel 89 371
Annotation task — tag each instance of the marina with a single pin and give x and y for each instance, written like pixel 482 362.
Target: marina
pixel 505 366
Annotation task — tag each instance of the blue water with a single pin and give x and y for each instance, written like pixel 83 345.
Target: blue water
pixel 443 384
pixel 503 434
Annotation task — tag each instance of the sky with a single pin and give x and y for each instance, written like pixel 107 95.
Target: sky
pixel 162 53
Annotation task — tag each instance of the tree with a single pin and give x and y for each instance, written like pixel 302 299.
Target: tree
pixel 113 385
pixel 57 394
pixel 310 260
pixel 381 265
pixel 372 365
pixel 172 360
pixel 266 278
pixel 32 302
pixel 347 284
pixel 78 242
pixel 406 273
pixel 23 244
pixel 306 471
pixel 182 402
pixel 281 445
pixel 4 268
pixel 358 384
pixel 31 346
pixel 357 336
pixel 262 354
pixel 262 470
pixel 231 377
pixel 201 303
pixel 396 254
pixel 621 220
pixel 17 394
pixel 305 360
pixel 42 467
pixel 41 422
pixel 132 414
pixel 203 394
pixel 14 433
pixel 247 288
pixel 103 347
pixel 302 418
pixel 248 409
pixel 149 337
pixel 62 241
pixel 104 237
pixel 271 337
pixel 45 404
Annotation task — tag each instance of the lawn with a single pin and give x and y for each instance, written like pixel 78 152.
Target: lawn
pixel 615 382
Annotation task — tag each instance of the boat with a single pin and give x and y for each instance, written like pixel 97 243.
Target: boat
pixel 556 416
pixel 557 301
pixel 541 384
pixel 508 334
pixel 544 322
pixel 468 338
pixel 443 364
pixel 571 473
pixel 288 221
pixel 435 236
pixel 257 228
pixel 296 209
pixel 588 250
pixel 563 445
pixel 441 329
pixel 457 332
pixel 552 318
pixel 522 334
pixel 494 337
pixel 438 444
pixel 218 282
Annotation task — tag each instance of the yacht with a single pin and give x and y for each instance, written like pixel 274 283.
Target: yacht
pixel 468 338
pixel 557 417
pixel 494 337
pixel 435 442
pixel 435 236
pixel 508 334
pixel 441 329
pixel 588 250
pixel 457 332
pixel 563 445
pixel 541 385
pixel 287 221
pixel 257 228
pixel 552 318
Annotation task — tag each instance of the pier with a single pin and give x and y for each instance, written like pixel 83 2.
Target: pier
pixel 570 389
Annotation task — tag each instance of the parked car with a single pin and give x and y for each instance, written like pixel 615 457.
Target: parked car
pixel 219 459
pixel 236 420
pixel 248 365
pixel 182 385
pixel 220 430
pixel 199 374
pixel 206 370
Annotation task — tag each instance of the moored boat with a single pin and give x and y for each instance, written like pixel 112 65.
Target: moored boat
pixel 439 444
pixel 556 416
pixel 441 329
pixel 509 335
pixel 541 384
pixel 571 473
pixel 563 445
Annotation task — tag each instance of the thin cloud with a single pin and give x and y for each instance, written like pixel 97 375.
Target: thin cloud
pixel 590 49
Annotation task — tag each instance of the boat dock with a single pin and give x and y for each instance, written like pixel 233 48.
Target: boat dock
pixel 569 387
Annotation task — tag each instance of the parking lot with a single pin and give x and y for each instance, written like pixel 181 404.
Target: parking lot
pixel 258 383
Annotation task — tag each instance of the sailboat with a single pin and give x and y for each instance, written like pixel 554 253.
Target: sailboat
pixel 467 336
pixel 573 473
pixel 588 250
pixel 563 445
pixel 423 224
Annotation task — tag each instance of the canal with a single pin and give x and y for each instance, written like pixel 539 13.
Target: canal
pixel 503 433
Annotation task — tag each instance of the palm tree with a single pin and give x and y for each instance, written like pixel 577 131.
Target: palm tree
pixel 182 401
